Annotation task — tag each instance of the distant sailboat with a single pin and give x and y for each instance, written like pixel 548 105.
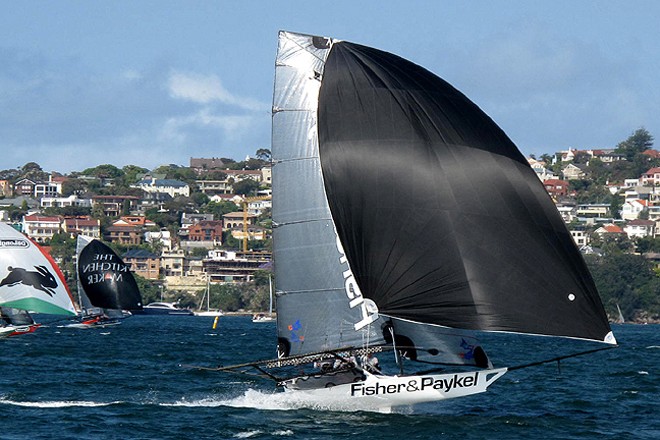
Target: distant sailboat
pixel 262 317
pixel 620 319
pixel 16 322
pixel 107 289
pixel 207 298
pixel 404 221
pixel 29 281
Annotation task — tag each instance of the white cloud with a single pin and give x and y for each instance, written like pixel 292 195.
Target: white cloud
pixel 205 89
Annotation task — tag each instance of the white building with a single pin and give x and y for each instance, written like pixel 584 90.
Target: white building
pixel 639 228
pixel 61 202
pixel 163 186
pixel 163 236
pixel 632 208
pixel 40 227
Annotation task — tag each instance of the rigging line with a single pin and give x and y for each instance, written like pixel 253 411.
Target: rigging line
pixel 296 159
pixel 277 225
pixel 557 359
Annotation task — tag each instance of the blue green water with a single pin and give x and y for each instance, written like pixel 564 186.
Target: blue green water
pixel 126 382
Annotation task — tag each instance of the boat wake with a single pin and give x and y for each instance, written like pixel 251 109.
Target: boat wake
pixel 277 401
pixel 57 403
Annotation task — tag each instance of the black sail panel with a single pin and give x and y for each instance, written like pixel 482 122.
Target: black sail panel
pixel 442 219
pixel 106 279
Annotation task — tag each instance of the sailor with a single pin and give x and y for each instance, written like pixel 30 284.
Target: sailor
pixel 370 363
pixel 342 363
pixel 324 366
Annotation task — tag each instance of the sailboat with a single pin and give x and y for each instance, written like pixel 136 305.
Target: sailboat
pixel 405 222
pixel 207 298
pixel 107 289
pixel 29 281
pixel 262 317
pixel 620 319
pixel 16 322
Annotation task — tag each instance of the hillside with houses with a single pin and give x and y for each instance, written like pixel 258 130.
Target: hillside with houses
pixel 183 230
pixel 206 226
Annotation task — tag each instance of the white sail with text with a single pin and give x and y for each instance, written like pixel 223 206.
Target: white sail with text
pixel 29 278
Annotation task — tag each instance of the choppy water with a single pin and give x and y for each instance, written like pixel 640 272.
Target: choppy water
pixel 126 382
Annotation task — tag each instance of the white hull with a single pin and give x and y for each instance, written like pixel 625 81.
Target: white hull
pixel 12 330
pixel 266 319
pixel 209 313
pixel 96 325
pixel 382 393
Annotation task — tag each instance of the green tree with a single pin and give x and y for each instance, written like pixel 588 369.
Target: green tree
pixel 105 171
pixel 33 171
pixel 246 187
pixel 132 173
pixel 264 154
pixel 627 280
pixel 171 171
pixel 218 209
pixel 149 290
pixel 199 198
pixel 73 186
pixel 638 142
pixel 647 244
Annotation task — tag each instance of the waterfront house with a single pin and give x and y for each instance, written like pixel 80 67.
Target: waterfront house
pixel 24 187
pixel 52 188
pixel 609 229
pixel 114 206
pixel 231 266
pixel 556 188
pixel 206 230
pixel 171 187
pixel 631 209
pixel 84 225
pixel 572 172
pixel 639 228
pixel 62 202
pixel 143 263
pixel 202 165
pixel 5 188
pixel 593 210
pixel 236 219
pixel 651 177
pixel 41 228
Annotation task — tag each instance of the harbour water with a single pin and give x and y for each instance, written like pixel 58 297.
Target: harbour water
pixel 127 382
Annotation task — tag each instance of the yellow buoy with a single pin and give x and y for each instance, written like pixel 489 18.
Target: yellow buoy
pixel 215 322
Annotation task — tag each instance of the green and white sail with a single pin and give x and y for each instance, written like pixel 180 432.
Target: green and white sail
pixel 29 278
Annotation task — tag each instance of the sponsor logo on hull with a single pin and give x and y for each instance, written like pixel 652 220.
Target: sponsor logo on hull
pixel 444 384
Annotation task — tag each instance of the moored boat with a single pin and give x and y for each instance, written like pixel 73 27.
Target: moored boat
pixel 164 308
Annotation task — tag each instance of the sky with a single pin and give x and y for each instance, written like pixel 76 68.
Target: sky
pixel 148 83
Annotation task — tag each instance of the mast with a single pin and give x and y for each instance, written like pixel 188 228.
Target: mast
pixel 270 291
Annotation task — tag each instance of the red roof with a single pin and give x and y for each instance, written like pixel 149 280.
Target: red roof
pixel 42 218
pixel 641 222
pixel 613 229
pixel 555 182
pixel 81 222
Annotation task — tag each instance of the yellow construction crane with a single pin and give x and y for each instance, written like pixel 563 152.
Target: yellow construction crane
pixel 245 202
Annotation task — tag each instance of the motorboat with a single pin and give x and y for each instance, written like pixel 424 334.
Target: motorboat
pixel 163 308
